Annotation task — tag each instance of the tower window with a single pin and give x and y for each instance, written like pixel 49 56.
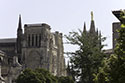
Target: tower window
pixel 28 40
pixel 36 40
pixel 32 39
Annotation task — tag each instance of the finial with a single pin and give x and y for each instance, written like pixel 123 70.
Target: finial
pixel 91 15
pixel 92 25
pixel 19 15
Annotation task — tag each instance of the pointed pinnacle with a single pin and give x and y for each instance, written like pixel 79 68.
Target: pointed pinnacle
pixel 92 27
pixel 84 30
pixel 20 24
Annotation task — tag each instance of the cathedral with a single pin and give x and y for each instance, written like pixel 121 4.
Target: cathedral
pixel 35 47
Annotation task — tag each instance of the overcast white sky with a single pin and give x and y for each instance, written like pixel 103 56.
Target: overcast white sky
pixel 61 15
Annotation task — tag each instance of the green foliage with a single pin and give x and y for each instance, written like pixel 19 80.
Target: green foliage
pixel 87 59
pixel 28 76
pixel 36 76
pixel 104 75
pixel 113 70
pixel 41 76
pixel 63 79
pixel 49 77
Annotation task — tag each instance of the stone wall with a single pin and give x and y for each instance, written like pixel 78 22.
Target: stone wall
pixel 115 27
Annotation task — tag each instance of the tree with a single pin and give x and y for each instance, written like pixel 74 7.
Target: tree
pixel 28 76
pixel 113 70
pixel 41 76
pixel 105 75
pixel 36 76
pixel 87 59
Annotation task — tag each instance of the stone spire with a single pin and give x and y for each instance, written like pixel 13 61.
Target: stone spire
pixel 92 25
pixel 19 39
pixel 19 24
pixel 84 30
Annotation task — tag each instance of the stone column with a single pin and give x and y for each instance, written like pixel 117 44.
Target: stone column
pixel 37 40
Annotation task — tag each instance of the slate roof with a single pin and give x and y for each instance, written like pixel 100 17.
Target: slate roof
pixel 117 13
pixel 9 40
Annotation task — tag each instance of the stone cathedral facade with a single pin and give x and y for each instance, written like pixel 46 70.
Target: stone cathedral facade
pixel 35 47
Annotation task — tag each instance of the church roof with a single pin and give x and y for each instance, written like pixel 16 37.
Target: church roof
pixel 117 14
pixel 9 40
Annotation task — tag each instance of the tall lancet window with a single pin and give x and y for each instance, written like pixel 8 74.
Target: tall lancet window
pixel 36 44
pixel 29 40
pixel 32 39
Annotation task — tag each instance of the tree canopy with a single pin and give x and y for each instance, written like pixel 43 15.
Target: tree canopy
pixel 36 76
pixel 113 70
pixel 41 76
pixel 87 59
